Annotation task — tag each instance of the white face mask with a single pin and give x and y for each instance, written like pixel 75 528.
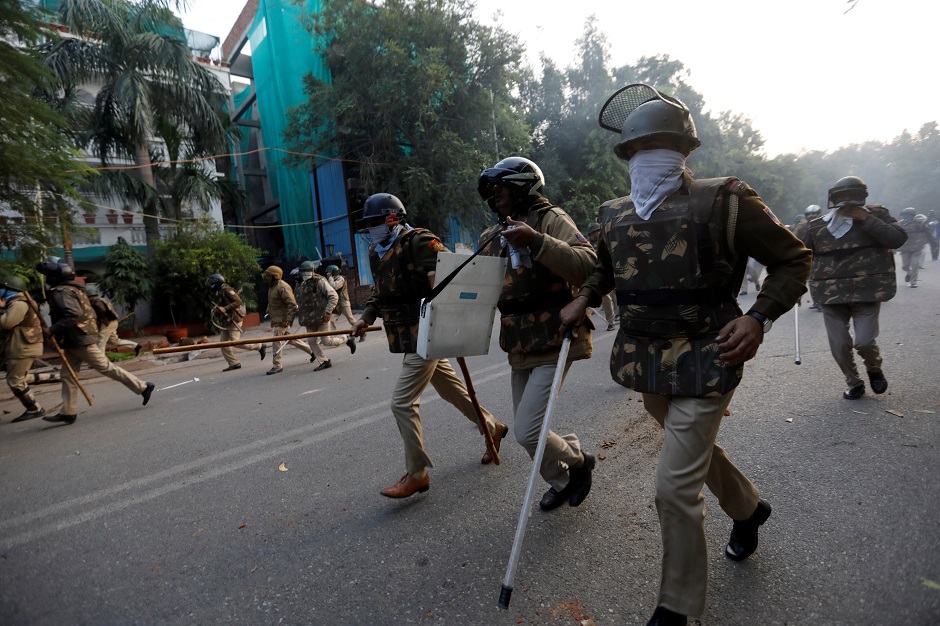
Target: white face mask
pixel 654 176
pixel 379 233
pixel 306 275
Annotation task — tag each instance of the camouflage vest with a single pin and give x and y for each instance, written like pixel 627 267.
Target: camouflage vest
pixel 88 324
pixel 676 277
pixel 854 268
pixel 30 328
pixel 531 301
pixel 400 290
pixel 105 313
pixel 311 301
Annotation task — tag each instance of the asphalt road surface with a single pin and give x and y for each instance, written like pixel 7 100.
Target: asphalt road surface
pixel 251 499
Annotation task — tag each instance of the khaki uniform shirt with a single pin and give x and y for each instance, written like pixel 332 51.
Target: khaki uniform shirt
pixel 24 341
pixel 282 307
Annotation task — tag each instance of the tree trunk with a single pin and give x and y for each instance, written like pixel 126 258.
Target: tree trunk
pixel 151 221
pixel 67 244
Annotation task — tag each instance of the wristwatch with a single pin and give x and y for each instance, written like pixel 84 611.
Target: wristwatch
pixel 765 321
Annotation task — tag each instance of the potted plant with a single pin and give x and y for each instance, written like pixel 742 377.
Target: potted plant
pixel 112 217
pixel 90 218
pixel 128 216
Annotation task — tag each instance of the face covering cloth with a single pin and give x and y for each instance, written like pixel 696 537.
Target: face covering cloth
pixel 654 176
pixel 837 223
pixel 382 246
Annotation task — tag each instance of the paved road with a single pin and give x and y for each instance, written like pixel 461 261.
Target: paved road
pixel 177 512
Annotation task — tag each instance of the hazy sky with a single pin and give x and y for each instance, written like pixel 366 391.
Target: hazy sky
pixel 808 74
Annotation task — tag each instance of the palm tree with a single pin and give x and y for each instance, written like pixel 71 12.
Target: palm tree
pixel 136 54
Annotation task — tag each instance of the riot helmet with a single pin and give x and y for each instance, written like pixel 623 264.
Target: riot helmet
pixel 92 290
pixel 13 283
pixel 593 227
pixel 520 176
pixel 306 270
pixel 848 191
pixel 273 274
pixel 215 281
pixel 333 270
pixel 381 205
pixel 11 286
pixel 812 211
pixel 56 272
pixel 638 111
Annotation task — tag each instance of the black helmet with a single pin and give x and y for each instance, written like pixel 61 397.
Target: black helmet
pixel 56 272
pixel 851 189
pixel 13 283
pixel 638 111
pixel 215 281
pixel 383 204
pixel 520 176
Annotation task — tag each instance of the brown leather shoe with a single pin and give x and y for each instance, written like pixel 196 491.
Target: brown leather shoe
pixel 407 486
pixel 501 430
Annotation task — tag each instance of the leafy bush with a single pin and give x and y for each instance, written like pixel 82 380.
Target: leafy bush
pixel 127 275
pixel 186 260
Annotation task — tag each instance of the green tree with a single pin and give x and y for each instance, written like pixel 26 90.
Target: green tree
pixel 422 98
pixel 38 169
pixel 127 275
pixel 185 261
pixel 147 80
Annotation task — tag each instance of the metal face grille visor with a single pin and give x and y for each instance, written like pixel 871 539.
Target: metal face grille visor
pixel 625 101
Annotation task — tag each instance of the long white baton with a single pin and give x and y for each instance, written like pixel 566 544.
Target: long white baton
pixel 506 592
pixel 796 328
pixel 283 343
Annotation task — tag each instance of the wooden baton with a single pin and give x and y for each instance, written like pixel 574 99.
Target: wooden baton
pixel 487 435
pixel 241 342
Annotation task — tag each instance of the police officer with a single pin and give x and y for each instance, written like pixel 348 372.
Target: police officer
pixel 282 309
pixel 75 329
pixel 107 318
pixel 316 300
pixel 22 342
pixel 801 230
pixel 343 308
pixel 594 233
pixel 230 306
pixel 912 251
pixel 853 273
pixel 403 261
pixel 675 250
pixel 549 258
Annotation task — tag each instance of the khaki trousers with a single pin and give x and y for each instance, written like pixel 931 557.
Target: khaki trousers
pixel 689 459
pixel 109 333
pixel 864 317
pixel 228 353
pixel 98 362
pixel 17 372
pixel 415 375
pixel 530 391
pixel 344 310
pixel 329 341
pixel 910 263
pixel 297 343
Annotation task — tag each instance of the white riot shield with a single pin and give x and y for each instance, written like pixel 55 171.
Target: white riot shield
pixel 459 321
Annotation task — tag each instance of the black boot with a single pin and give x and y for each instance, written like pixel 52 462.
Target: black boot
pixel 879 384
pixel 664 617
pixel 743 539
pixel 580 483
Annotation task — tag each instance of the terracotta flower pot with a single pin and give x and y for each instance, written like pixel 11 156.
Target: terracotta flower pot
pixel 112 218
pixel 128 218
pixel 174 335
pixel 90 218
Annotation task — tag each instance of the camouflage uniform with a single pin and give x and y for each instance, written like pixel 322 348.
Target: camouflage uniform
pixel 107 318
pixel 282 309
pixel 22 341
pixel 343 308
pixel 229 300
pixel 676 277
pixel 529 305
pixel 401 280
pixel 75 328
pixel 851 277
pixel 315 299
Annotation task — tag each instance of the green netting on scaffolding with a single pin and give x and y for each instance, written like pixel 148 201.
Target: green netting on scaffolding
pixel 282 52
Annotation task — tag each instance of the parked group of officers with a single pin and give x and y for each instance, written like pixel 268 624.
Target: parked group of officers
pixel 674 253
